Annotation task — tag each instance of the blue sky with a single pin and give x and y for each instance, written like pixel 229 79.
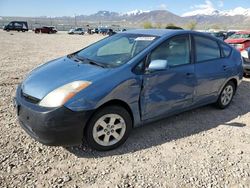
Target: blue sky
pixel 72 7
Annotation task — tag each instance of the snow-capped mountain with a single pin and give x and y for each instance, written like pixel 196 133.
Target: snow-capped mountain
pixel 210 11
pixel 202 12
pixel 239 11
pixel 135 12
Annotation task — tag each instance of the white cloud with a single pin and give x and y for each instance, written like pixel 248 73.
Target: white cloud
pixel 202 9
pixel 206 5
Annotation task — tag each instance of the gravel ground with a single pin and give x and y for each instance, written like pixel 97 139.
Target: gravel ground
pixel 205 147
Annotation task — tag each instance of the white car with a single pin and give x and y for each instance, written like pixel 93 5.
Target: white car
pixel 79 31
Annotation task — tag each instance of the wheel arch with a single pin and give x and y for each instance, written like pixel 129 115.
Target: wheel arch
pixel 114 102
pixel 234 80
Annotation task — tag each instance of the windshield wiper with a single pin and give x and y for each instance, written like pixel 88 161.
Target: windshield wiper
pixel 86 60
pixel 74 57
pixel 96 64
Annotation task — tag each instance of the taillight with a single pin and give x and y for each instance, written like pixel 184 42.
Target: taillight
pixel 240 47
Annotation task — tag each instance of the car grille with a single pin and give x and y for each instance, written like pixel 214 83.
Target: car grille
pixel 30 98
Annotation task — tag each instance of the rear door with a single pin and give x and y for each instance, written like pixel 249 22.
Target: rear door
pixel 210 69
pixel 171 89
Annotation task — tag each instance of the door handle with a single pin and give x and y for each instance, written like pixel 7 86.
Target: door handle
pixel 225 67
pixel 189 74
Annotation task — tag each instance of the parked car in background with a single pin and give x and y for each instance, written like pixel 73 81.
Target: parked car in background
pixel 246 61
pixel 78 31
pixel 45 29
pixel 103 31
pixel 239 40
pixel 129 79
pixel 230 33
pixel 110 32
pixel 16 26
pixel 219 35
pixel 95 30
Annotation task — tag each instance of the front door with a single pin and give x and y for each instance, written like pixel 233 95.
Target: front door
pixel 172 89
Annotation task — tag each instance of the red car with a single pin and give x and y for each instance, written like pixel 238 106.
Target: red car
pixel 45 29
pixel 240 40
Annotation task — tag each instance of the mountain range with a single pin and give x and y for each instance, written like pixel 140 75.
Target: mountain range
pixel 236 18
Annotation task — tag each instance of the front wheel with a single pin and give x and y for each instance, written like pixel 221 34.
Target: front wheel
pixel 226 95
pixel 108 128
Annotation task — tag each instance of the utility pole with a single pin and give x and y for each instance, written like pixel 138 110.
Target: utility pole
pixel 75 21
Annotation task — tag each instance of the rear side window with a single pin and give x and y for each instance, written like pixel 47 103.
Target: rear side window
pixel 226 50
pixel 206 49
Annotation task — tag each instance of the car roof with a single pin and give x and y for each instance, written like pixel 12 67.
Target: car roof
pixel 158 32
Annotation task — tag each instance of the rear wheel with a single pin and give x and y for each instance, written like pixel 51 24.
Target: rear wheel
pixel 108 128
pixel 226 95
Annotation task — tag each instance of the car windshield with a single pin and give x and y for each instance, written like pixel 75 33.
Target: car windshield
pixel 240 36
pixel 116 50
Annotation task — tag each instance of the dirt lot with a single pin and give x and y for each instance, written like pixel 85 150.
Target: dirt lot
pixel 206 147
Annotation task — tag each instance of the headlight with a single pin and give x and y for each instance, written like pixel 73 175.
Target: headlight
pixel 61 95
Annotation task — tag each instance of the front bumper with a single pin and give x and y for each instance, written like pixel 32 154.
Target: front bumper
pixel 51 126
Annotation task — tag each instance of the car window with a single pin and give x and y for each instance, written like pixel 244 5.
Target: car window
pixel 176 51
pixel 206 49
pixel 18 24
pixel 118 49
pixel 226 50
pixel 120 46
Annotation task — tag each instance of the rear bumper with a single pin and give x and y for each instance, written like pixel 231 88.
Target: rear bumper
pixel 51 126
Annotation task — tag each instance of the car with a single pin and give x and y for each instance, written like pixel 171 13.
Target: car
pixel 110 32
pixel 79 31
pixel 103 31
pixel 240 40
pixel 95 30
pixel 16 26
pixel 101 92
pixel 45 29
pixel 219 35
pixel 230 33
pixel 246 61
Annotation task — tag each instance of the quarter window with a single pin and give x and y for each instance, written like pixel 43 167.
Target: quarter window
pixel 226 50
pixel 175 51
pixel 206 49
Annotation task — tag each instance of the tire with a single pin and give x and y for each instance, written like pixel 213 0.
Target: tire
pixel 113 124
pixel 226 95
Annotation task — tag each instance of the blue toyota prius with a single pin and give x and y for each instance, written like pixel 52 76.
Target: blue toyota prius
pixel 101 92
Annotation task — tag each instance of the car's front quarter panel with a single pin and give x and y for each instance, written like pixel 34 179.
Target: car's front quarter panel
pixel 121 84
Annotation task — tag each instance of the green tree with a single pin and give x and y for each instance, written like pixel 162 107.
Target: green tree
pixel 158 25
pixel 147 25
pixel 216 27
pixel 172 26
pixel 191 25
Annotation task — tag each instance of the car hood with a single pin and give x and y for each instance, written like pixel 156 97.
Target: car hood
pixel 59 72
pixel 236 41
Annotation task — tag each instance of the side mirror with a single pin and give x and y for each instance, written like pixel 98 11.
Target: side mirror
pixel 246 53
pixel 157 65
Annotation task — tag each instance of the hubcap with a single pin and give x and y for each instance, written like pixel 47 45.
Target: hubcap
pixel 227 95
pixel 109 129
